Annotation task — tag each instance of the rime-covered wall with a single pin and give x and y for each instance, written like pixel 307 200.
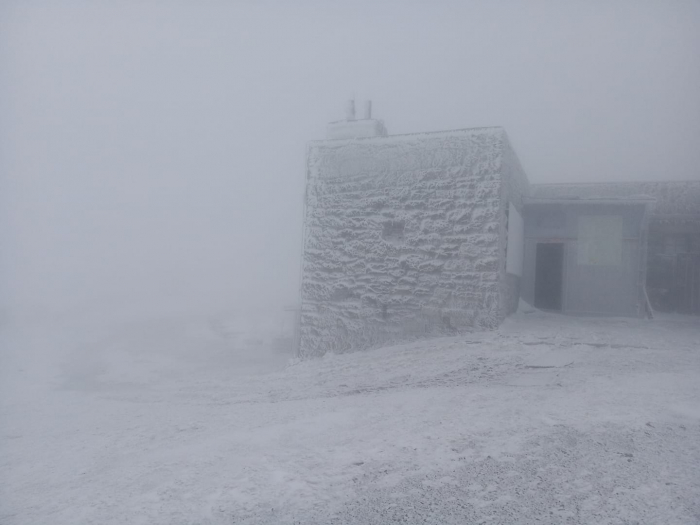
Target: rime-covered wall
pixel 402 238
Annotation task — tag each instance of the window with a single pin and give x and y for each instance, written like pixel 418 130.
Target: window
pixel 393 230
pixel 600 240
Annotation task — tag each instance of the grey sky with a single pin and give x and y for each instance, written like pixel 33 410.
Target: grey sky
pixel 154 152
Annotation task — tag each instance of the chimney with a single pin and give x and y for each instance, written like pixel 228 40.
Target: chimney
pixel 350 110
pixel 350 128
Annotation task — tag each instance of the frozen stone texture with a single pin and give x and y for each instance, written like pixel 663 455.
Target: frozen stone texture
pixel 403 237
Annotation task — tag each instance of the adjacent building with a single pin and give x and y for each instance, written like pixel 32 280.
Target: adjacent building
pixel 626 248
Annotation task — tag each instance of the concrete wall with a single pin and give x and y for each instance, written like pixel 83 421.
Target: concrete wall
pixel 403 238
pixel 589 289
pixel 514 189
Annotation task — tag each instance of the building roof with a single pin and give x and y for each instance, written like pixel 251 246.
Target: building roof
pixel 404 137
pixel 568 201
pixel 673 199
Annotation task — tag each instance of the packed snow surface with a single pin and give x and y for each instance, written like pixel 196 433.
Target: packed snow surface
pixel 191 421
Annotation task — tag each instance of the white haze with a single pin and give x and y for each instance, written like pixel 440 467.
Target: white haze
pixel 152 153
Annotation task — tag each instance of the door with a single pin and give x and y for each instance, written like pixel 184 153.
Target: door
pixel 687 283
pixel 549 275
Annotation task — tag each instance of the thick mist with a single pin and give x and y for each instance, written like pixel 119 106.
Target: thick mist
pixel 153 154
pixel 465 344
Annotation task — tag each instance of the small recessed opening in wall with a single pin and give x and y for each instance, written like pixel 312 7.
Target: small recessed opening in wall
pixel 340 294
pixel 393 230
pixel 505 259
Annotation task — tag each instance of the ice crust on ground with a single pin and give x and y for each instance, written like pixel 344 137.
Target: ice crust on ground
pixel 550 419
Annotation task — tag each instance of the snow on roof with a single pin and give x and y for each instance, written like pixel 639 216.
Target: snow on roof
pixel 404 137
pixel 406 153
pixel 673 198
pixel 643 199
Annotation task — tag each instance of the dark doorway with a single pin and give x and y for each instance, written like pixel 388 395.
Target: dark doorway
pixel 688 283
pixel 549 275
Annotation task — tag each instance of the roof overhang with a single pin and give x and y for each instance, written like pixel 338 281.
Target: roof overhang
pixel 535 202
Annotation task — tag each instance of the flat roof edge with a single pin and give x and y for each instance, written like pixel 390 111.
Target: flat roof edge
pixel 416 134
pixel 579 200
pixel 603 183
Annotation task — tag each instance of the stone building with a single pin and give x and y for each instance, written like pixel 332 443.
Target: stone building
pixel 425 234
pixel 407 235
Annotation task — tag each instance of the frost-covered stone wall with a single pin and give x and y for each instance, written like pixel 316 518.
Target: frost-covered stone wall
pixel 403 238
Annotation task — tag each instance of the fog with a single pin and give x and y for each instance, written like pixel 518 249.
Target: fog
pixel 469 348
pixel 153 153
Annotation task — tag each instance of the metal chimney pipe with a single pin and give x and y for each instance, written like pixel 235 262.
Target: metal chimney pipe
pixel 350 110
pixel 368 109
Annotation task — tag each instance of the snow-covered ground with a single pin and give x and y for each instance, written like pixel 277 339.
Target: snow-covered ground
pixel 550 419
